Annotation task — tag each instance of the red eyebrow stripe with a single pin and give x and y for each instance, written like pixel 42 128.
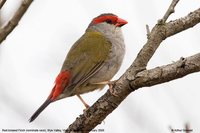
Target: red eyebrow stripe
pixel 103 18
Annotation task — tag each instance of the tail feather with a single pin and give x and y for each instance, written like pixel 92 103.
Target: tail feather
pixel 62 80
pixel 40 109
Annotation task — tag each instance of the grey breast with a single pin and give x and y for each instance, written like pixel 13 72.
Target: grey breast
pixel 112 65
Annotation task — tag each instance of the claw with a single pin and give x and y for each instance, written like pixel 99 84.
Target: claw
pixel 112 91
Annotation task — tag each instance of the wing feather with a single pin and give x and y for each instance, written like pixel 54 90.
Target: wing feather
pixel 86 57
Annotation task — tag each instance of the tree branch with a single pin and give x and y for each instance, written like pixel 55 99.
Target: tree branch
pixel 170 10
pixel 184 23
pixel 168 72
pixel 6 30
pixel 130 80
pixel 2 2
pixel 159 33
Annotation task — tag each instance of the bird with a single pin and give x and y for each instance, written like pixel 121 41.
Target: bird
pixel 91 62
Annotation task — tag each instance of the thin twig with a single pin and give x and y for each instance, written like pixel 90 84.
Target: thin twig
pixel 148 31
pixel 7 29
pixel 2 2
pixel 170 10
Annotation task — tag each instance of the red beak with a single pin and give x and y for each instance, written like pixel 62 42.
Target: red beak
pixel 120 22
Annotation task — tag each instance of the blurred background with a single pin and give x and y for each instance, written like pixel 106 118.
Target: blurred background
pixel 32 55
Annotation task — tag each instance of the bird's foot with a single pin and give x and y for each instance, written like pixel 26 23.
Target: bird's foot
pixel 112 91
pixel 85 111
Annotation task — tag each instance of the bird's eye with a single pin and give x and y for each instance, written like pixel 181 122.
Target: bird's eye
pixel 109 21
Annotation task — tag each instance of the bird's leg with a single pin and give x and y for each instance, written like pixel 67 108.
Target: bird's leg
pixel 85 104
pixel 110 84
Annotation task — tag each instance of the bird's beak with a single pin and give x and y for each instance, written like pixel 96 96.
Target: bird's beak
pixel 120 22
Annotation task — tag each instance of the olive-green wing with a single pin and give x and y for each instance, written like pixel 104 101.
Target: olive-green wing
pixel 86 57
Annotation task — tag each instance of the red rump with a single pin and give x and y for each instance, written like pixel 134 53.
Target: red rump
pixel 62 80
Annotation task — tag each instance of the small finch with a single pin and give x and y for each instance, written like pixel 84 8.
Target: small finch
pixel 91 62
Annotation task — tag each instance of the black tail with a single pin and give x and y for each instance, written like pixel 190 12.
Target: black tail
pixel 41 108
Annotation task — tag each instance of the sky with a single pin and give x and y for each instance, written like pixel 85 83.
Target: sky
pixel 32 56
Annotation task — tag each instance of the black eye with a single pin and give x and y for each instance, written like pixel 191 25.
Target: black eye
pixel 109 21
